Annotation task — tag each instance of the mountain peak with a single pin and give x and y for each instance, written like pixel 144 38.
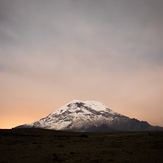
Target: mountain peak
pixel 83 106
pixel 98 106
pixel 89 115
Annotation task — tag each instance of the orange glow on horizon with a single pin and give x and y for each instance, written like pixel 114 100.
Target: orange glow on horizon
pixel 140 97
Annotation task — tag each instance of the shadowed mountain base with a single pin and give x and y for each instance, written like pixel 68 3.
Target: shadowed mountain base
pixel 40 146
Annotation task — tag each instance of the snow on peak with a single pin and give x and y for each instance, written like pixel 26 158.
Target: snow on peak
pixel 78 104
pixel 98 106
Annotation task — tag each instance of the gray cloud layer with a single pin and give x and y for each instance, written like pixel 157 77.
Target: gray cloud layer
pixel 44 37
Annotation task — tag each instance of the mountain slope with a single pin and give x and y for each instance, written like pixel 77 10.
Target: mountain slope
pixel 88 116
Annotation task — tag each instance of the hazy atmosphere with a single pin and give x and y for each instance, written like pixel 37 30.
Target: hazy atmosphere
pixel 54 51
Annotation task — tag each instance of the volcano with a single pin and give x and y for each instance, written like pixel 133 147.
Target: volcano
pixel 89 116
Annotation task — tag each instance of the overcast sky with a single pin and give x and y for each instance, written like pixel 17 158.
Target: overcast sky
pixel 53 51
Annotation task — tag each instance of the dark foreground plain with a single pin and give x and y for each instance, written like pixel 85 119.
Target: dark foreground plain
pixel 46 146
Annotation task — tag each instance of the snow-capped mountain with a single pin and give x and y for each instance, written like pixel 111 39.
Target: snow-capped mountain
pixel 82 116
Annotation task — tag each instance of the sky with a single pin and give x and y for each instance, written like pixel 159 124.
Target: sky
pixel 54 51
